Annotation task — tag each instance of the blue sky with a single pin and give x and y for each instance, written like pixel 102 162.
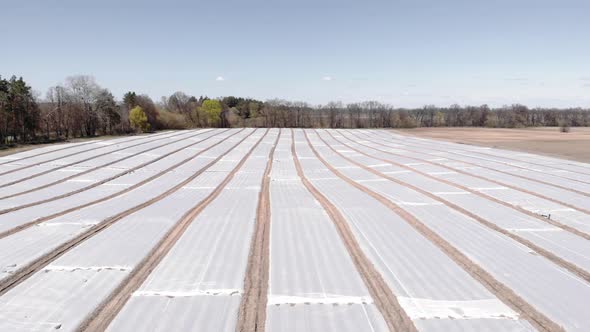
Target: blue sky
pixel 406 53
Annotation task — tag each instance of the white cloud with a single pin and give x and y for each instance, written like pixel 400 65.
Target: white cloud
pixel 220 78
pixel 327 78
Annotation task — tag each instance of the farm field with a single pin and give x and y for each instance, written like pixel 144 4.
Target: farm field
pixel 541 140
pixel 292 230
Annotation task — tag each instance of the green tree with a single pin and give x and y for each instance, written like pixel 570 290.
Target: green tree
pixel 138 119
pixel 4 114
pixel 150 110
pixel 21 110
pixel 107 111
pixel 130 99
pixel 231 101
pixel 212 108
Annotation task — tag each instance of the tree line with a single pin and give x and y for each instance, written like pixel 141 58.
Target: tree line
pixel 80 107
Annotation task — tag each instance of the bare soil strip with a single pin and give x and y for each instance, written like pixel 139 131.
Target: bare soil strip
pixel 395 317
pixel 252 313
pixel 68 165
pixel 66 156
pixel 528 162
pixel 119 193
pixel 103 315
pixel 545 253
pixel 475 192
pixel 97 167
pixel 467 173
pixel 490 158
pixel 501 291
pixel 26 271
pixel 527 140
pixel 503 172
pixel 96 184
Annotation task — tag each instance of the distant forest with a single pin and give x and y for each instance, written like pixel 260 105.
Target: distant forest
pixel 81 108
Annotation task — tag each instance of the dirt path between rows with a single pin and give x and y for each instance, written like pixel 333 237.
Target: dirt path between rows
pixel 96 184
pixel 543 252
pixel 499 160
pixel 508 173
pixel 475 192
pixel 65 145
pixel 27 270
pixel 103 315
pixel 464 172
pixel 395 317
pixel 501 291
pixel 92 169
pixel 66 156
pixel 116 194
pixel 252 313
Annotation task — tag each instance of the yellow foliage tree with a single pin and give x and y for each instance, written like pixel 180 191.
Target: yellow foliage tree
pixel 138 119
pixel 212 108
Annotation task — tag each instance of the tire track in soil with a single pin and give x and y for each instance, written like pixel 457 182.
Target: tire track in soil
pixel 66 156
pixel 252 312
pixel 505 172
pixel 96 167
pixel 501 291
pixel 103 315
pixel 116 194
pixel 504 157
pixel 394 315
pixel 101 182
pixel 573 268
pixel 464 172
pixel 38 264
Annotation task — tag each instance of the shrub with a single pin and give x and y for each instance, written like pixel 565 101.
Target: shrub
pixel 564 126
pixel 171 120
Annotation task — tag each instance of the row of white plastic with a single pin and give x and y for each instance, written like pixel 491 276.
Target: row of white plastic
pixel 555 292
pixel 71 287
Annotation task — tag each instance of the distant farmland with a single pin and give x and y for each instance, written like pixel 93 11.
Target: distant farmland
pixel 292 230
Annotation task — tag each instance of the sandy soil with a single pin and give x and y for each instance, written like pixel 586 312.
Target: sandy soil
pixel 574 145
pixel 252 312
